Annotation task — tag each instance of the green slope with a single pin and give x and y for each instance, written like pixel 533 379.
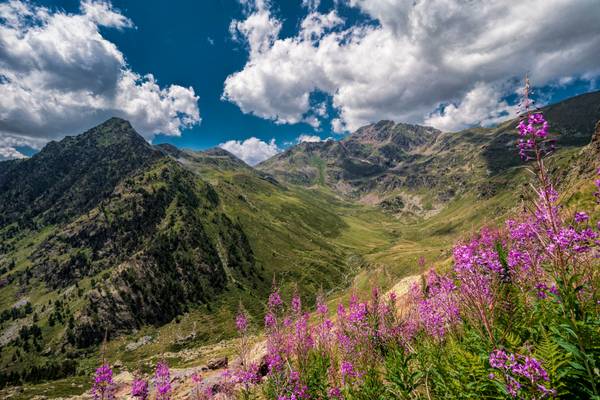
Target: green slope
pixel 179 241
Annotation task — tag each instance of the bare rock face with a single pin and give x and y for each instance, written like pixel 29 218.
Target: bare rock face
pixel 218 363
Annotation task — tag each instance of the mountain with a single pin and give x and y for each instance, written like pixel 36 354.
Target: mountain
pixel 418 170
pixel 350 163
pixel 72 176
pixel 107 211
pixel 105 235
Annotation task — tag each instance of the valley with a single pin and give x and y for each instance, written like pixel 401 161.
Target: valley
pixel 105 236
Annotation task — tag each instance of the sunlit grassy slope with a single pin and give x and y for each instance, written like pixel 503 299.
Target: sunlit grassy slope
pixel 305 239
pixel 343 246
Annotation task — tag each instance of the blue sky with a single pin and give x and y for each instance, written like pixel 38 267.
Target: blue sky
pixel 280 71
pixel 191 45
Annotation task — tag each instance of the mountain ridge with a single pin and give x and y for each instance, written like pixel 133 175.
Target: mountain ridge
pixel 171 237
pixel 391 163
pixel 92 162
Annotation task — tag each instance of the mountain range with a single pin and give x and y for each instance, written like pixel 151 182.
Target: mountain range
pixel 106 236
pixel 415 169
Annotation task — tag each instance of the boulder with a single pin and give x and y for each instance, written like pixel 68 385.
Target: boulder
pixel 218 363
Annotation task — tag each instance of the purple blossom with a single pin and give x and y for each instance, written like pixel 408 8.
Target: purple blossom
pixel 247 375
pixel 196 378
pixel 275 300
pixel 335 393
pixel 519 370
pixel 241 322
pixel 139 389
pixel 581 217
pixel 321 307
pixel 533 132
pixel 104 387
pixel 512 386
pixel 162 381
pixel 438 309
pixel 348 372
pixel 296 304
pixel 270 320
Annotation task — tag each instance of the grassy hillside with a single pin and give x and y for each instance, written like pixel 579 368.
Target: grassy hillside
pixel 163 260
pixel 412 170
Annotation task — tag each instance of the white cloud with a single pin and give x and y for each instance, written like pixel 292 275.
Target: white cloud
pixel 7 153
pixel 480 106
pixel 421 55
pixel 308 138
pixel 311 4
pixel 252 150
pixel 314 25
pixel 59 75
pixel 9 143
pixel 338 126
pixel 259 29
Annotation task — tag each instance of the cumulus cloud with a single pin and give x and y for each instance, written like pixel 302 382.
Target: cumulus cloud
pixel 9 144
pixel 422 61
pixel 8 153
pixel 308 138
pixel 311 4
pixel 59 75
pixel 480 106
pixel 252 150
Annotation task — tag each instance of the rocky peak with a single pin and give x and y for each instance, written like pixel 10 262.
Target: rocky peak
pixel 385 132
pixel 71 176
pixel 378 132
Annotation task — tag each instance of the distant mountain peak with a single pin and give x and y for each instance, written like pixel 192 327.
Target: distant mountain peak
pixel 113 129
pixel 72 175
pixel 117 121
pixel 386 131
pixel 386 159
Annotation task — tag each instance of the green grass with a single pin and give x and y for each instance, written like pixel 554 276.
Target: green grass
pixel 305 239
pixel 72 386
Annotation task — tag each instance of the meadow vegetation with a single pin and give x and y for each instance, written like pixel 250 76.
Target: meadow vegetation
pixel 515 315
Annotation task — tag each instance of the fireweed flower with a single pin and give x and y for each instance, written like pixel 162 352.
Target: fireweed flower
pixel 321 306
pixel 270 320
pixel 296 304
pixel 241 322
pixel 534 132
pixel 275 300
pixel 104 387
pixel 139 389
pixel 162 381
pixel 246 375
pixel 437 307
pixel 335 393
pixel 518 371
pixel 581 217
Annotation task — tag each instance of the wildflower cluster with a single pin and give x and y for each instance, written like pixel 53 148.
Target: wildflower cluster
pixel 437 304
pixel 516 315
pixel 104 387
pixel 200 390
pixel 518 371
pixel 139 389
pixel 162 381
pixel 534 137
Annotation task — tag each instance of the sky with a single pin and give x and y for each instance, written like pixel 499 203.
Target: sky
pixel 257 76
